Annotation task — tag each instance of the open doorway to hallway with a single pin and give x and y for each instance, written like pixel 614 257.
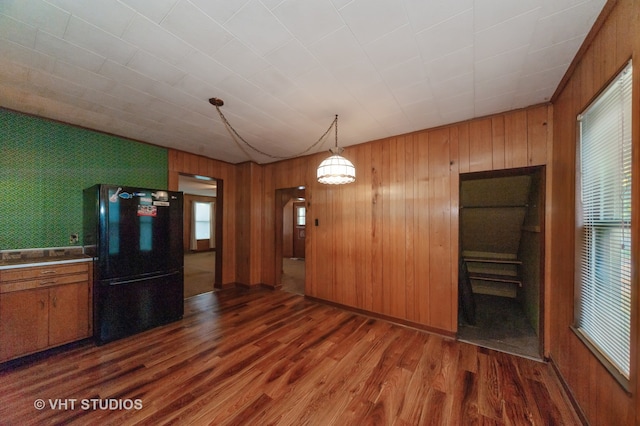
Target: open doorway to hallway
pixel 290 240
pixel 200 228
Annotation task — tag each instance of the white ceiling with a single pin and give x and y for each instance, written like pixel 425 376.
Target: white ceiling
pixel 197 185
pixel 145 69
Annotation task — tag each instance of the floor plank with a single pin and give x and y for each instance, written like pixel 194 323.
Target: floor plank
pixel 271 357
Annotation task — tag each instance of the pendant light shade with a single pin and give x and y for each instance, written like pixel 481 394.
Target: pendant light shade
pixel 336 170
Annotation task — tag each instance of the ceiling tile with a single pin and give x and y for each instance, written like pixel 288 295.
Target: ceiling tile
pixel 205 68
pixel 156 40
pixel 453 87
pixel 272 81
pixel 551 56
pixel 37 13
pixel 448 36
pixel 371 19
pixel 240 59
pixel 404 74
pixel 110 15
pixel 195 28
pixel 155 68
pixel 426 14
pixel 155 11
pixel 489 88
pixel 549 7
pixel 65 51
pixel 49 82
pixel 220 10
pixel 292 59
pixel 338 49
pixel 452 65
pixel 308 20
pixel 392 48
pixel 13 73
pixel 126 76
pixel 546 78
pixel 491 41
pixel 503 64
pixel 356 75
pixel 98 41
pixel 25 56
pixel 493 12
pixel 80 76
pixel 413 93
pixel 239 87
pixel 465 112
pixel 252 22
pixel 565 25
pixel 495 104
pixel 17 32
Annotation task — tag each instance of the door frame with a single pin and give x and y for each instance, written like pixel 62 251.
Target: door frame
pixel 282 197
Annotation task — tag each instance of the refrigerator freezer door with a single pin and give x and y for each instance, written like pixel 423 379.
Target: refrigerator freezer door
pixel 124 308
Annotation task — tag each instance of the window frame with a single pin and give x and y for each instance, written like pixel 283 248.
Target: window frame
pixel 597 227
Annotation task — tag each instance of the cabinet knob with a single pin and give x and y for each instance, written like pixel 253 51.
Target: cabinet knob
pixel 41 304
pixel 55 301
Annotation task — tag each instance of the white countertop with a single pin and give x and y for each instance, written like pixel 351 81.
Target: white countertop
pixel 42 261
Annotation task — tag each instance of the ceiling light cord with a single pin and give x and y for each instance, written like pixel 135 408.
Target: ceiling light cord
pixel 235 136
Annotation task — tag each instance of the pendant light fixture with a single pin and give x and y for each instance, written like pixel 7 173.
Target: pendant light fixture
pixel 336 170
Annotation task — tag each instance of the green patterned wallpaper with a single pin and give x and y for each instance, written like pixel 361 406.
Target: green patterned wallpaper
pixel 45 165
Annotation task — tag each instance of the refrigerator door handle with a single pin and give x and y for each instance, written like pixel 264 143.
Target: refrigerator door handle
pixel 145 278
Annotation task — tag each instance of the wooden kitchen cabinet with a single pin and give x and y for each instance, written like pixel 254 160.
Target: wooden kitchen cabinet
pixel 43 307
pixel 24 322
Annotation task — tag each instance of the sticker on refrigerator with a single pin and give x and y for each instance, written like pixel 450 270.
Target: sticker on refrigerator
pixel 160 195
pixel 147 211
pixel 161 203
pixel 114 197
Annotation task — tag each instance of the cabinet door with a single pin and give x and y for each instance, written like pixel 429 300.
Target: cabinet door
pixel 68 313
pixel 24 317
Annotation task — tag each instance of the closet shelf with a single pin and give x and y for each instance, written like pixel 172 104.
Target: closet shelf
pixel 492 260
pixel 502 206
pixel 495 278
pixel 494 269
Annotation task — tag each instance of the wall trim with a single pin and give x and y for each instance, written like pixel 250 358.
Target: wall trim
pixel 567 391
pixel 397 321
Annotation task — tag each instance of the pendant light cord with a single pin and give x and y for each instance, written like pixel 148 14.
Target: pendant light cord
pixel 236 136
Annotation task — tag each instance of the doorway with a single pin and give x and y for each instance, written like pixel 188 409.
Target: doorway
pixel 201 228
pixel 290 239
pixel 502 260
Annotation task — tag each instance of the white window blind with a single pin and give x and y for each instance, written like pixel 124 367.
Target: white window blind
pixel 603 308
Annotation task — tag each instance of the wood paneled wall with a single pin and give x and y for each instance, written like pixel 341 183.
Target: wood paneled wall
pixel 388 243
pixel 602 399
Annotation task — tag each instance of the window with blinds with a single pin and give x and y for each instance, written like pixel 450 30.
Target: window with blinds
pixel 603 284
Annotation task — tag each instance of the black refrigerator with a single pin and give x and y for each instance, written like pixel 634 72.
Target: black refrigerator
pixel 135 237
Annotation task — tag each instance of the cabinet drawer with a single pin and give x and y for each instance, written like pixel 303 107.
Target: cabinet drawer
pixel 42 272
pixel 47 281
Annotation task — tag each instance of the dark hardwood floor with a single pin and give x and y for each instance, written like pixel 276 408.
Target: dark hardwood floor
pixel 259 357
